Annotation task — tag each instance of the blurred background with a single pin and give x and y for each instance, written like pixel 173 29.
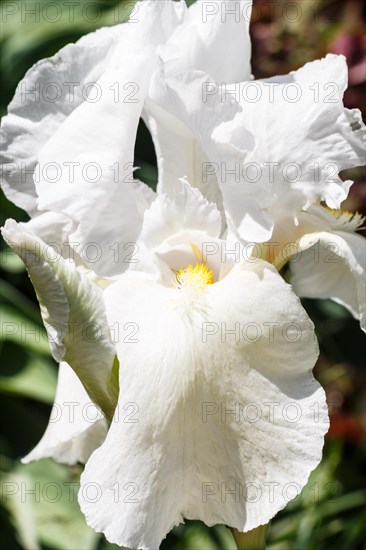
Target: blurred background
pixel 331 511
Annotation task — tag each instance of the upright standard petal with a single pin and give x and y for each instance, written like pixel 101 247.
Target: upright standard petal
pixel 214 38
pixel 74 315
pixel 303 138
pixel 36 112
pixel 211 34
pixel 194 138
pixel 76 427
pixel 223 412
pixel 332 265
pixel 73 149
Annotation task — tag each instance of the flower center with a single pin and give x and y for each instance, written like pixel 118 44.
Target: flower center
pixel 198 277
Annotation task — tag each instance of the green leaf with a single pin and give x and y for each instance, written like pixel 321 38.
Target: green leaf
pixel 20 509
pixel 24 306
pixel 24 332
pixel 60 523
pixel 32 377
pixel 11 262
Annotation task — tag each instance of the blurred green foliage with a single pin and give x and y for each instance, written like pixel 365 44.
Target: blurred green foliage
pixel 331 510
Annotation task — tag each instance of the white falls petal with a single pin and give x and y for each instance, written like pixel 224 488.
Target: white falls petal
pixel 333 265
pixel 54 229
pixel 73 312
pixel 76 427
pixel 169 453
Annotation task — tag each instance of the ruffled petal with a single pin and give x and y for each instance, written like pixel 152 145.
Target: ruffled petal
pixel 83 159
pixel 213 38
pixel 179 120
pixel 73 312
pixel 182 208
pixel 332 265
pixel 33 117
pixel 303 138
pixel 170 453
pixel 181 228
pixel 76 427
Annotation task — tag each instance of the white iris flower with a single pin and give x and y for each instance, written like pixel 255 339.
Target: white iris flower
pixel 209 409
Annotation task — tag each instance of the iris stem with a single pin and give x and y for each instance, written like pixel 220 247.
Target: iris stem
pixel 251 540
